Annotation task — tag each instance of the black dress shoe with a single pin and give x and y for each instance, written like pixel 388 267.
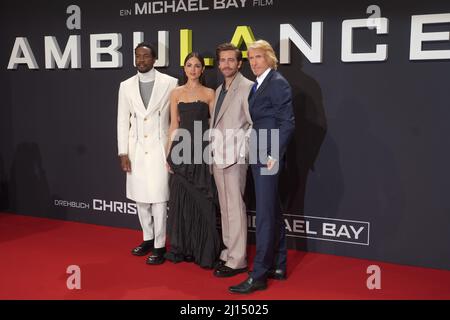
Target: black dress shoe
pixel 248 286
pixel 142 249
pixel 189 259
pixel 155 259
pixel 218 264
pixel 277 274
pixel 224 271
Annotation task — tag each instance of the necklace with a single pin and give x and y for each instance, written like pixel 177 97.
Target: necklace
pixel 194 86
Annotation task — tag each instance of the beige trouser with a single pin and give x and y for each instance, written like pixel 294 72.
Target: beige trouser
pixel 230 184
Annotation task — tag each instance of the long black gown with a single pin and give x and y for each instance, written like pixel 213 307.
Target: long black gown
pixel 193 205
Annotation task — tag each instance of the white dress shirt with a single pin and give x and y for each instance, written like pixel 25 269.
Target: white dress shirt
pixel 261 78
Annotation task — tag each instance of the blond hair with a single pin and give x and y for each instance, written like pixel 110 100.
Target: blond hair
pixel 269 53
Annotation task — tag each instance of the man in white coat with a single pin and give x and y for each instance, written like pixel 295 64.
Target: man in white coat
pixel 142 133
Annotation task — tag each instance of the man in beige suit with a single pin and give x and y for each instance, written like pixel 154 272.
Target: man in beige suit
pixel 231 125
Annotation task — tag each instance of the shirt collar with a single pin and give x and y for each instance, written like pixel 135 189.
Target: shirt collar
pixel 261 78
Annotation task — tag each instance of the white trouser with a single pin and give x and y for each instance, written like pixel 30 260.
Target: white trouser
pixel 152 217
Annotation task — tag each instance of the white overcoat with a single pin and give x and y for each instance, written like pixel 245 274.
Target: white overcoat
pixel 142 133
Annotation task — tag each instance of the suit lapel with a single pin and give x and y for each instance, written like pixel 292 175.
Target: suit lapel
pixel 216 98
pixel 159 90
pixel 261 88
pixel 137 96
pixel 229 97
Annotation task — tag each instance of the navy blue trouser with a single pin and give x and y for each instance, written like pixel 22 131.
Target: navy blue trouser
pixel 271 251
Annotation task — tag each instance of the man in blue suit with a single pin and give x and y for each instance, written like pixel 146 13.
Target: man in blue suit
pixel 270 104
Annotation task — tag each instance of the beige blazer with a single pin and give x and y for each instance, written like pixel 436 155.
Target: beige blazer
pixel 231 130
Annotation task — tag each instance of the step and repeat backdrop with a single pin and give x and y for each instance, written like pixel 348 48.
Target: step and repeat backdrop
pixel 367 172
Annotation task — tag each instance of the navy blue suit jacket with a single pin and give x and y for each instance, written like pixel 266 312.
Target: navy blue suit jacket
pixel 271 108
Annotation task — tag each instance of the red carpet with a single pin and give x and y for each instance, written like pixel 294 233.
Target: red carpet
pixel 36 252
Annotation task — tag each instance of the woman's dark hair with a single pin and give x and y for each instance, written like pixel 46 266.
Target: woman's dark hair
pixel 202 61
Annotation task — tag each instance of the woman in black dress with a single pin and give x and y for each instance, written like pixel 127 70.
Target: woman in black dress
pixel 191 224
